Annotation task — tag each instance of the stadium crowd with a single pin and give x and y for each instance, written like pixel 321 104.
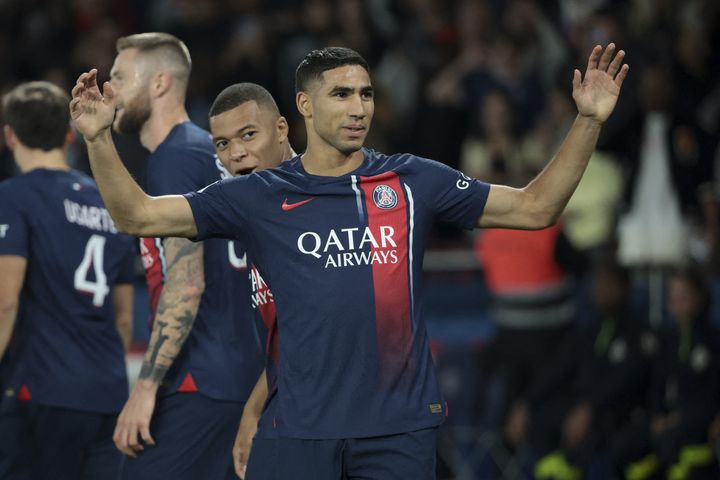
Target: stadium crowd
pixel 603 359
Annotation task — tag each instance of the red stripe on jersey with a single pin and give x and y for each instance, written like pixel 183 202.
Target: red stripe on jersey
pixel 262 299
pixel 188 384
pixel 24 394
pixel 390 280
pixel 153 263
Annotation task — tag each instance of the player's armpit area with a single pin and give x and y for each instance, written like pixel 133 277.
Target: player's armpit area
pixel 177 307
pixel 517 208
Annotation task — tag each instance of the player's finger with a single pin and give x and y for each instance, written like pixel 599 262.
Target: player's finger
pixel 145 434
pixel 74 104
pixel 594 57
pixel 134 439
pixel 606 56
pixel 92 78
pixel 615 64
pixel 577 79
pixel 621 76
pixel 77 89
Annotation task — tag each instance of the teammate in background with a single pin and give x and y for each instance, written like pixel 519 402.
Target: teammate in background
pixel 339 234
pixel 204 354
pixel 66 292
pixel 250 135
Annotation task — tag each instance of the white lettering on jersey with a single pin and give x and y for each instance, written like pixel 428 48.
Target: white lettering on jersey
pixel 3 230
pixel 147 259
pixel 238 263
pixel 261 294
pixel 464 182
pixel 94 218
pixel 351 247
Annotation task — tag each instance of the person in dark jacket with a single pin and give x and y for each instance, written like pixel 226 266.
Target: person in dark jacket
pixel 684 394
pixel 593 385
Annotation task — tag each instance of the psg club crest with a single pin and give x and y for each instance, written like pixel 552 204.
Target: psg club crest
pixel 385 197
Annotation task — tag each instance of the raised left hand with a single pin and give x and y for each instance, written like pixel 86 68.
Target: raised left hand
pixel 597 92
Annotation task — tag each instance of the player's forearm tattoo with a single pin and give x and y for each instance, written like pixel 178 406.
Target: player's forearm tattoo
pixel 177 307
pixel 150 368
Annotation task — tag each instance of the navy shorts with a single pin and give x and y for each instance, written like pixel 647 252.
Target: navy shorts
pixel 194 436
pixel 402 456
pixel 43 442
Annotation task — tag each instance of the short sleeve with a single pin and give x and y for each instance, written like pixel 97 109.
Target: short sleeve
pixel 14 226
pixel 452 195
pixel 174 171
pixel 220 209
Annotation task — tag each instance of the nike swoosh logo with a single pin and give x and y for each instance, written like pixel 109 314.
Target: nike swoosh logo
pixel 289 206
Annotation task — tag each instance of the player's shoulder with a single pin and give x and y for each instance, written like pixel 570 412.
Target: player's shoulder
pixel 401 162
pixel 185 145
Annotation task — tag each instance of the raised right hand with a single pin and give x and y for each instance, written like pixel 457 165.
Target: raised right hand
pixel 92 111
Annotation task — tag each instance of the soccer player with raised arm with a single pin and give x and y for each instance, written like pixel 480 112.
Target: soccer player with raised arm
pixel 65 302
pixel 339 233
pixel 205 352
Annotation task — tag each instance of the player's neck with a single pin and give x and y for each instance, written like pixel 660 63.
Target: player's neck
pixel 159 125
pixel 327 161
pixel 28 159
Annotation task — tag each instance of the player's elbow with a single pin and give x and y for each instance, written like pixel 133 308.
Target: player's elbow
pixel 538 215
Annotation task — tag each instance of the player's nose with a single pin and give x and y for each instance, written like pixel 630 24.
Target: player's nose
pixel 237 151
pixel 356 108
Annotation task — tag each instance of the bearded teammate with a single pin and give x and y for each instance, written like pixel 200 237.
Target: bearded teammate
pixel 204 354
pixel 339 234
pixel 66 288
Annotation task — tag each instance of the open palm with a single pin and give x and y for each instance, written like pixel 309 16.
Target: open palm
pixel 92 111
pixel 596 94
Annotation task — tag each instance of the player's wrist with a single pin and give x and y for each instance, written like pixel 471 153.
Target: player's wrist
pixel 103 135
pixel 147 385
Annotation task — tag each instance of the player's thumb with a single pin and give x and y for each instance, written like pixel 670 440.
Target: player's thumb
pixel 109 93
pixel 577 79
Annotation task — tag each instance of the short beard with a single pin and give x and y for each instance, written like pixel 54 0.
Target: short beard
pixel 134 116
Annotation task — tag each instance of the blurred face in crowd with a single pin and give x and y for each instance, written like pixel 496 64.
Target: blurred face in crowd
pixel 249 138
pixel 684 301
pixel 656 89
pixel 340 107
pixel 609 292
pixel 129 80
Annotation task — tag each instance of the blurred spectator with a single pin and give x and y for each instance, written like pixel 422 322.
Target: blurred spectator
pixel 669 159
pixel 592 385
pixel 496 154
pixel 532 309
pixel 684 394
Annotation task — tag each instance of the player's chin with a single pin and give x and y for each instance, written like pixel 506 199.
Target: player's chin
pixel 352 145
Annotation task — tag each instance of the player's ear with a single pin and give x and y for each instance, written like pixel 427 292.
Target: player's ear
pixel 10 138
pixel 304 105
pixel 70 135
pixel 160 84
pixel 282 129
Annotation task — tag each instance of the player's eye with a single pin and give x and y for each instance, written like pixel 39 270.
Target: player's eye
pixel 340 94
pixel 221 144
pixel 368 94
pixel 249 135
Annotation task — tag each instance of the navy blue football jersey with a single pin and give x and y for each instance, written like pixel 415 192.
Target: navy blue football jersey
pixel 223 354
pixel 343 256
pixel 66 349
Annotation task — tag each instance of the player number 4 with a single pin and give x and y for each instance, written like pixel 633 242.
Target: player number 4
pixel 93 257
